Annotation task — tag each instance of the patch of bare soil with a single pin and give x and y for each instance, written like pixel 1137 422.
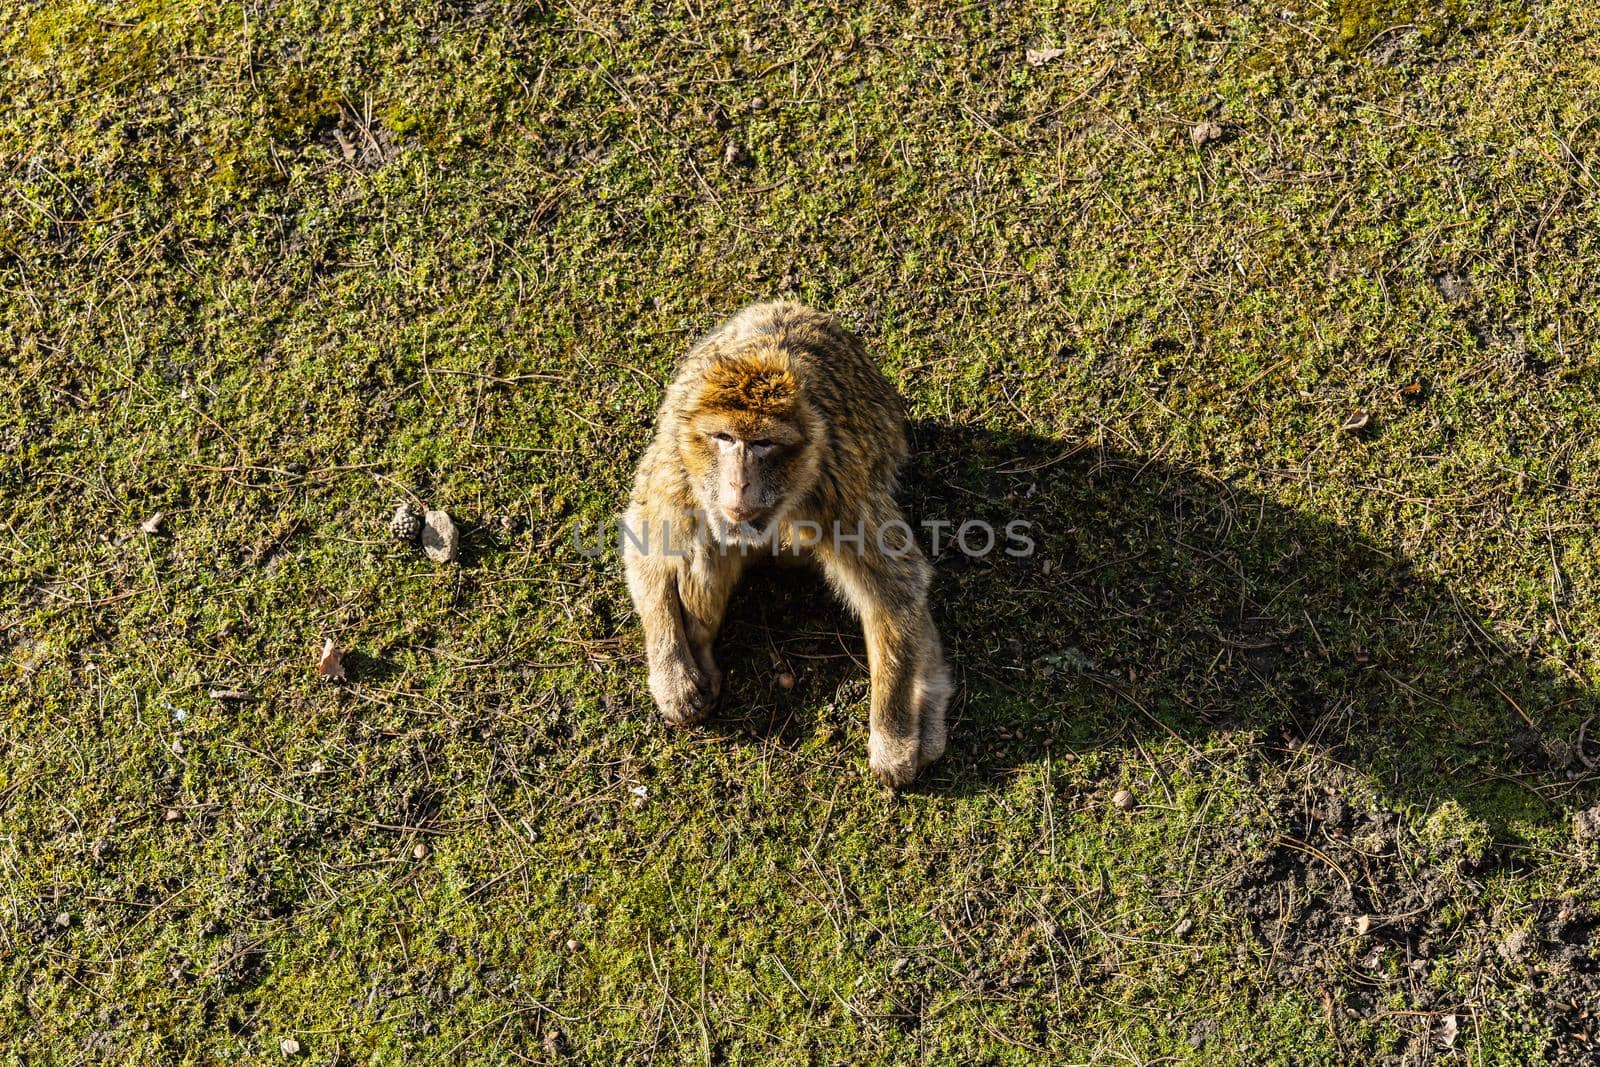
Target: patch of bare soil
pixel 1381 926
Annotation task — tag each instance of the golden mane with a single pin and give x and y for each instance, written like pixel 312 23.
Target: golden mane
pixel 760 384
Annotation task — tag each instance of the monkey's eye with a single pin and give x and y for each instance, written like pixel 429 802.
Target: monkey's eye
pixel 723 440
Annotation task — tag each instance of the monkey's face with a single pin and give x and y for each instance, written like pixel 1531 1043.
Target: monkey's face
pixel 748 473
pixel 749 444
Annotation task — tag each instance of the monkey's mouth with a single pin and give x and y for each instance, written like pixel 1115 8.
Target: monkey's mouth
pixel 751 530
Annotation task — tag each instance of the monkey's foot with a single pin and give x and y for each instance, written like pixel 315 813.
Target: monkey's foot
pixel 684 693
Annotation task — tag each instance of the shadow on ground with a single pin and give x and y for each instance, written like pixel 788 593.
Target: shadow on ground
pixel 1163 601
pixel 1298 660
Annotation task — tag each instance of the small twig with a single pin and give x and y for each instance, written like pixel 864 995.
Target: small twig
pixel 1583 757
pixel 1515 705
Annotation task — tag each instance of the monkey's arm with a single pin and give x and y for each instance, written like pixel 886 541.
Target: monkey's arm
pixel 887 585
pixel 683 688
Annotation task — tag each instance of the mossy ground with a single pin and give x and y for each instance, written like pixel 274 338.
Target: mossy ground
pixel 271 269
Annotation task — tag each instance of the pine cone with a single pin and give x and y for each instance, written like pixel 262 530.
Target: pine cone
pixel 406 524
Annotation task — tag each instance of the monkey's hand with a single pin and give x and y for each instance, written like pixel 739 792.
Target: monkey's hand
pixel 684 693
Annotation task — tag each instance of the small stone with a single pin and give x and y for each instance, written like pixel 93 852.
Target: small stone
pixel 172 815
pixel 758 104
pixel 733 153
pixel 572 945
pixel 1586 825
pixel 1364 925
pixel 898 967
pixel 64 920
pixel 786 680
pixel 1514 945
pixel 1123 800
pixel 419 851
pixel 289 1047
pixel 1205 132
pixel 439 537
pixel 1183 927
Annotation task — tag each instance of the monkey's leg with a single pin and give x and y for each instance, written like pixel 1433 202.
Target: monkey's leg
pixel 682 689
pixel 910 683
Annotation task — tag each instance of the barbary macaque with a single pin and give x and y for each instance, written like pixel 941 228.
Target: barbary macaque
pixel 780 437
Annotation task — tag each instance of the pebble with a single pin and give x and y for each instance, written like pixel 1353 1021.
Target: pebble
pixel 420 851
pixel 1205 132
pixel 439 537
pixel 1123 800
pixel 1586 825
pixel 289 1047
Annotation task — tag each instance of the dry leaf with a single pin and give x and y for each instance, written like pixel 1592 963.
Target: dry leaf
pixel 1411 392
pixel 1356 422
pixel 152 525
pixel 1038 57
pixel 330 664
pixel 1448 1028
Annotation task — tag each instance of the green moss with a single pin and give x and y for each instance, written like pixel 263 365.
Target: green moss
pixel 297 105
pixel 1144 346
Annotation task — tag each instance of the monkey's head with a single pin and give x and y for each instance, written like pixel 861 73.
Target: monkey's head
pixel 750 443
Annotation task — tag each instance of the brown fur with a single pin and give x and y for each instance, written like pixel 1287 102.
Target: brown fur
pixel 797 383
